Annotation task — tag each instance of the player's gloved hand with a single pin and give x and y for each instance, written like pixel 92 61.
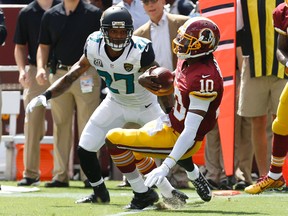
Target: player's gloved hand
pixel 157 175
pixel 35 102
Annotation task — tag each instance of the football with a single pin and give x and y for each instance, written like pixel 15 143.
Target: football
pixel 165 78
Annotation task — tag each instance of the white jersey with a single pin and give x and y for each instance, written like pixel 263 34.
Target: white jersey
pixel 127 101
pixel 120 75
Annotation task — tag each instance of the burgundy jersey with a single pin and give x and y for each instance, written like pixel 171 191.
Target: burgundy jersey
pixel 280 18
pixel 202 80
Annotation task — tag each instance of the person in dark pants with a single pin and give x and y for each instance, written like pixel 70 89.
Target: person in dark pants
pixel 64 30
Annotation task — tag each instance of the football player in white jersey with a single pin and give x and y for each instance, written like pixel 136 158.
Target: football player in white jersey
pixel 120 59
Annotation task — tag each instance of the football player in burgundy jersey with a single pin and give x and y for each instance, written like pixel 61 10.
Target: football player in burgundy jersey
pixel 119 58
pixel 198 90
pixel 274 178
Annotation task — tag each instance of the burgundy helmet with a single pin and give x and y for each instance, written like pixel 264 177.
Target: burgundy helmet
pixel 198 36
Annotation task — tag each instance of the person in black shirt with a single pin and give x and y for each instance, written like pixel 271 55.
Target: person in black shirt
pixel 26 35
pixel 64 30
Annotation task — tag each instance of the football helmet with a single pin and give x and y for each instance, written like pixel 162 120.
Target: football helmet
pixel 116 17
pixel 198 36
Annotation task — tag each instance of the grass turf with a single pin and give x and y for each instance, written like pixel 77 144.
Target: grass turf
pixel 60 202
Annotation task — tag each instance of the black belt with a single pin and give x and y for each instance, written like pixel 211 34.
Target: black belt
pixel 63 67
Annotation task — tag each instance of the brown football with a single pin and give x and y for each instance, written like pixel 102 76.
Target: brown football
pixel 165 77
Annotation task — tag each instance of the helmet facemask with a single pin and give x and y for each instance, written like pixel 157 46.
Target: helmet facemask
pixel 117 44
pixel 116 17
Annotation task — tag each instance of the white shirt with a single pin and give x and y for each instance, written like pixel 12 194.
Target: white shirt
pixel 161 43
pixel 137 12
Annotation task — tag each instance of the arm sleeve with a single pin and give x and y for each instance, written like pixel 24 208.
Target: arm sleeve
pixel 148 55
pixel 191 125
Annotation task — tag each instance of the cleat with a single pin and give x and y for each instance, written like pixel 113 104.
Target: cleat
pixel 202 188
pixel 264 184
pixel 93 198
pixel 56 183
pixel 178 200
pixel 143 200
pixel 29 182
pixel 241 185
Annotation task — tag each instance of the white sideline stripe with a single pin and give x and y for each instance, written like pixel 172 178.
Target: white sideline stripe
pixel 125 213
pixel 15 189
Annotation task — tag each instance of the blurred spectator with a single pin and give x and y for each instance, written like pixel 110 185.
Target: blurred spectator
pixel 102 4
pixel 68 23
pixel 243 141
pixel 262 77
pixel 242 146
pixel 215 173
pixel 136 10
pixel 183 7
pixel 26 36
pixel 275 179
pixel 3 35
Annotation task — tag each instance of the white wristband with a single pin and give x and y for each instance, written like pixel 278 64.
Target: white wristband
pixel 169 162
pixel 286 65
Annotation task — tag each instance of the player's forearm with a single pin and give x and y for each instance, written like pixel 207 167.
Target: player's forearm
pixel 20 56
pixel 186 139
pixel 42 56
pixel 64 83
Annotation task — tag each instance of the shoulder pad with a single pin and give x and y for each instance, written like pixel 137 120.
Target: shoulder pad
pixel 95 36
pixel 140 42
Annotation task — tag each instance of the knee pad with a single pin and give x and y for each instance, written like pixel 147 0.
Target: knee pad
pixel 279 127
pixel 113 135
pixel 280 124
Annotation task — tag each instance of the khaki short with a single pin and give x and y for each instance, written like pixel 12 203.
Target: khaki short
pixel 258 95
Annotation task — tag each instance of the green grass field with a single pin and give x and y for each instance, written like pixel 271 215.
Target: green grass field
pixel 60 202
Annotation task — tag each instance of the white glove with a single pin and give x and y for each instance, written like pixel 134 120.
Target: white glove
pixel 157 175
pixel 35 102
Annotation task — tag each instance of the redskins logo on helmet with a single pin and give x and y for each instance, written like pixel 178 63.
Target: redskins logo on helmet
pixel 198 36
